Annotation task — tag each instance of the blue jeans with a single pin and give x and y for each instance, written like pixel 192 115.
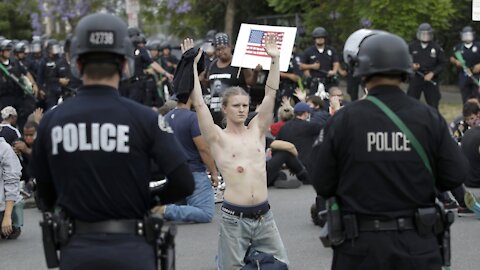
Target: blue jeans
pixel 17 214
pixel 237 234
pixel 200 205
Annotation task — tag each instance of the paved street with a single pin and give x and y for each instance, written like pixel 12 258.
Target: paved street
pixel 196 244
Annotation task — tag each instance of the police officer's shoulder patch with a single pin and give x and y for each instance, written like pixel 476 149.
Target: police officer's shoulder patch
pixel 102 39
pixel 163 125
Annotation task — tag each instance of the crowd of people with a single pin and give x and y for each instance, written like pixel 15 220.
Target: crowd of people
pixel 233 125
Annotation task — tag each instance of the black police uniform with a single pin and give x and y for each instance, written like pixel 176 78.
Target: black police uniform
pixel 92 157
pixel 287 86
pixel 33 64
pixel 12 95
pixel 326 58
pixel 470 147
pixel 431 59
pixel 135 88
pixel 50 71
pixel 353 84
pixel 471 55
pixel 362 158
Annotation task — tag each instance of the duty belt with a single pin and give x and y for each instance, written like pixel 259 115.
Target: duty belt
pixel 373 225
pixel 110 227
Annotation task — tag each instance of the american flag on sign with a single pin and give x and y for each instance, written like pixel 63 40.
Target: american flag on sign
pixel 256 42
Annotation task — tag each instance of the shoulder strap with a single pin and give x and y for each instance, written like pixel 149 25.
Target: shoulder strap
pixel 399 123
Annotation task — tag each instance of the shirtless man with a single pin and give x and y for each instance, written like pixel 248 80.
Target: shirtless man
pixel 239 152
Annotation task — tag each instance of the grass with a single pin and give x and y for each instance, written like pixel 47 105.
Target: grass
pixel 450 110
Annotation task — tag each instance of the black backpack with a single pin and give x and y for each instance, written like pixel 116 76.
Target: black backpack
pixel 262 261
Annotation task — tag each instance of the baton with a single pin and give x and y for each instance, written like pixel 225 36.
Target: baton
pixel 423 75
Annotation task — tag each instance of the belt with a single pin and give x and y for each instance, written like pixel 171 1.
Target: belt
pixel 374 225
pixel 247 214
pixel 110 227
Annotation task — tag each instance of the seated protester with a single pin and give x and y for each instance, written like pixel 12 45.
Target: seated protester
pixel 300 132
pixel 284 152
pixel 7 127
pixel 23 148
pixel 470 147
pixel 319 114
pixel 285 113
pixel 11 203
pixel 200 205
pixel 471 115
pixel 336 101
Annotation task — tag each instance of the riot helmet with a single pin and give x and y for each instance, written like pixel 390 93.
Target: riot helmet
pixel 210 36
pixel 153 45
pixel 6 45
pixel 319 32
pixel 371 52
pixel 165 45
pixel 467 35
pixel 138 39
pixel 53 47
pixel 133 31
pixel 104 35
pixel 20 47
pixel 425 33
pixel 36 46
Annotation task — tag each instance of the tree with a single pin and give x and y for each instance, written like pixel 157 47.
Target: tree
pixel 61 13
pixel 15 23
pixel 343 17
pixel 194 18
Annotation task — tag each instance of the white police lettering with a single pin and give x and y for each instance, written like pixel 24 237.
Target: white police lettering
pixel 103 137
pixel 387 142
pixel 102 38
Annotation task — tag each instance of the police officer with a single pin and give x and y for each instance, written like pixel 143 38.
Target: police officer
pixel 383 188
pixel 69 83
pixel 469 50
pixel 136 87
pixel 12 93
pixel 428 62
pixel 92 157
pixel 34 57
pixel 320 61
pixel 50 76
pixel 21 51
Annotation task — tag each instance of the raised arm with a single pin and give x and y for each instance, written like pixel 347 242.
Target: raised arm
pixel 265 111
pixel 209 130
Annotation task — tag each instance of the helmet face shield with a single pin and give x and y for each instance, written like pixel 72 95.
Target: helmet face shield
pixel 467 37
pixel 36 48
pixel 369 52
pixel 425 36
pixel 55 49
pixel 208 47
pixel 352 45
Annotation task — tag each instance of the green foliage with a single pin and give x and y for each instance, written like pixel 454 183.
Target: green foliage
pixel 342 17
pixel 15 22
pixel 202 16
pixel 403 17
